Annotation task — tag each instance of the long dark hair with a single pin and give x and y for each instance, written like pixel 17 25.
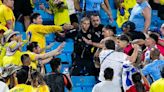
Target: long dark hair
pixel 136 77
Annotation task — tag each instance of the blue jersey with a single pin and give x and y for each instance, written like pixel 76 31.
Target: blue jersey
pixel 91 5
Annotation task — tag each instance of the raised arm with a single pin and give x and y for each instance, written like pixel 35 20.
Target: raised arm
pixel 147 16
pixel 77 5
pixel 108 11
pixel 55 52
pixel 134 55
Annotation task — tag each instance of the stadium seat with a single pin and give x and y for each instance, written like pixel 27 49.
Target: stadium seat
pixel 77 89
pixel 23 35
pixel 154 12
pixel 112 4
pixel 63 57
pixel 114 13
pixel 47 18
pixel 155 21
pixel 63 67
pixel 19 27
pixel 48 68
pixel 68 48
pixel 69 40
pixel 38 2
pixel 50 37
pixel 24 48
pixel 86 83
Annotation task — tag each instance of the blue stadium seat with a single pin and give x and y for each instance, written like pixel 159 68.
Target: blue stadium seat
pixel 69 58
pixel 23 35
pixel 19 27
pixel 63 57
pixel 24 38
pixel 38 2
pixel 48 68
pixel 50 37
pixel 77 89
pixel 114 13
pixel 155 21
pixel 66 57
pixel 154 12
pixel 68 48
pixel 84 83
pixel 112 4
pixel 47 18
pixel 69 40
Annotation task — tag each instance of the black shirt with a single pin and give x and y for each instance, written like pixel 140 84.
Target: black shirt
pixel 81 49
pixel 136 35
pixel 97 33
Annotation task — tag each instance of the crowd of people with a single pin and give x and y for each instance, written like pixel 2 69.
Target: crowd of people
pixel 132 61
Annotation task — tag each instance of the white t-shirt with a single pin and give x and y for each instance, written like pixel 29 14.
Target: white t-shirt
pixel 106 86
pixel 115 60
pixel 71 6
pixel 3 87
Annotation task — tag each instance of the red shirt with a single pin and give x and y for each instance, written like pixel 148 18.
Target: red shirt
pixel 160 47
pixel 133 88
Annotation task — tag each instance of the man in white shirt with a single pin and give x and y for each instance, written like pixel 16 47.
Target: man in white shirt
pixel 111 58
pixel 106 85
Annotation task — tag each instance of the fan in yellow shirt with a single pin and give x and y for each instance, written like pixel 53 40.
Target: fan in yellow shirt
pixel 158 86
pixel 2 47
pixel 60 10
pixel 13 54
pixel 33 51
pixel 22 77
pixel 36 31
pixel 38 82
pixel 125 6
pixel 7 17
pixel 8 36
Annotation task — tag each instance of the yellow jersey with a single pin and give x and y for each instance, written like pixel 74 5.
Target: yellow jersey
pixel 61 16
pixel 14 59
pixel 22 88
pixel 39 31
pixel 3 53
pixel 6 14
pixel 127 4
pixel 0 2
pixel 42 88
pixel 161 2
pixel 157 86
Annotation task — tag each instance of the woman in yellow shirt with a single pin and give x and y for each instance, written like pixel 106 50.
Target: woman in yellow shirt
pixel 7 17
pixel 38 83
pixel 23 78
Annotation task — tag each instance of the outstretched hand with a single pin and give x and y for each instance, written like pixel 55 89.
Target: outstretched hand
pixel 67 27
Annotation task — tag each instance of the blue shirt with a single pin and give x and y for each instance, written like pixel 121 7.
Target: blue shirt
pixel 91 5
pixel 137 15
pixel 154 69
